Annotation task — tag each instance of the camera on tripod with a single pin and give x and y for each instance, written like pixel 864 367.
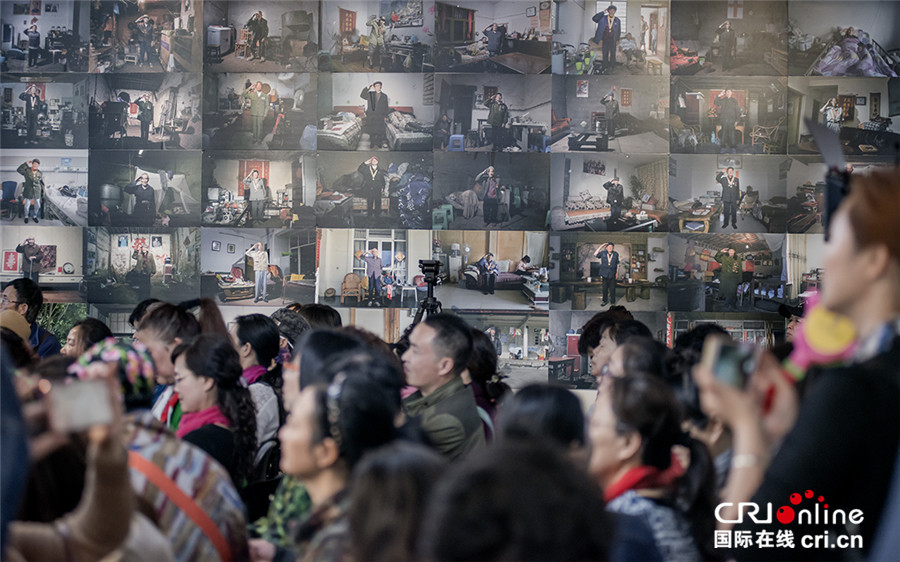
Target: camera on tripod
pixel 430 269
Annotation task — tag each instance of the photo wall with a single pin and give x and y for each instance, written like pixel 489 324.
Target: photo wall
pixel 600 157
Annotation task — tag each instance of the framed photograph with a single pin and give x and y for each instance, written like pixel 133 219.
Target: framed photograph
pixel 596 167
pixel 10 261
pixel 479 100
pixel 123 241
pixel 530 12
pixel 216 246
pixel 489 92
pixel 403 14
pixel 860 100
pixel 729 160
pixel 156 241
pixel 229 248
pixel 51 8
pixel 582 89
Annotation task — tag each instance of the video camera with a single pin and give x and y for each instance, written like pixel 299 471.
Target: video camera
pixel 430 269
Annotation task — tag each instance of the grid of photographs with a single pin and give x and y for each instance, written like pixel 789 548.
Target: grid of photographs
pixel 555 158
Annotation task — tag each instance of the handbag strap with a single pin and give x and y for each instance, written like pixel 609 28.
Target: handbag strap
pixel 184 502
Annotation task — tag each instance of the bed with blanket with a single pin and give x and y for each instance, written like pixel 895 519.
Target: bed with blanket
pixel 68 204
pixel 505 281
pixel 852 52
pixel 405 132
pixel 340 131
pixel 584 207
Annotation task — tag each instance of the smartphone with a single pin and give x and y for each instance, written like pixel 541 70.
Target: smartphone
pixel 77 406
pixel 730 362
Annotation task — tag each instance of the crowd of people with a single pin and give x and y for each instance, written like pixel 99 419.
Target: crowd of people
pixel 291 437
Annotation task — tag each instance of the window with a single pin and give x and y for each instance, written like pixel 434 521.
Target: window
pixel 621 10
pixel 388 242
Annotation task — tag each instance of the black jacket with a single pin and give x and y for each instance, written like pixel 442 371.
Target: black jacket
pixel 373 106
pixel 730 193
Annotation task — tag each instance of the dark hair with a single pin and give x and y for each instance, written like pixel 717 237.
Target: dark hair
pixel 319 315
pixel 593 329
pixel 542 411
pixel 261 333
pixel 354 410
pixel 686 353
pixel 729 168
pixel 526 258
pixel 28 292
pixel 489 508
pixel 647 356
pixel 139 311
pixel 291 324
pixel 648 406
pixel 319 347
pixel 209 316
pixel 35 160
pixel 19 351
pixel 621 330
pixel 212 356
pixel 92 331
pixel 389 490
pixel 482 366
pixel 168 321
pixel 378 82
pixel 452 339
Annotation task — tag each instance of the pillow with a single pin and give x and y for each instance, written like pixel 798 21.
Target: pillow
pixel 503 266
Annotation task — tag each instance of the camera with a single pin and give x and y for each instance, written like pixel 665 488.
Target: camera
pixel 430 268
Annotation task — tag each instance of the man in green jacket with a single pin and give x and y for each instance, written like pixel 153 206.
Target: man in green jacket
pixel 498 118
pixel 730 275
pixel 33 188
pixel 439 349
pixel 259 108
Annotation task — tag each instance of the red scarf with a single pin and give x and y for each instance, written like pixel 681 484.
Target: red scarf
pixel 251 374
pixel 644 477
pixel 195 420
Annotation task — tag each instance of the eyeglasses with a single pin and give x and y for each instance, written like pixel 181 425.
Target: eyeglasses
pixel 5 300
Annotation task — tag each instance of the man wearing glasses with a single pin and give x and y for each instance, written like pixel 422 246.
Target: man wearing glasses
pixel 24 297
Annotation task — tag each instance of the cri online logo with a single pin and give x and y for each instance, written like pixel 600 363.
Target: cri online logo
pixel 817 514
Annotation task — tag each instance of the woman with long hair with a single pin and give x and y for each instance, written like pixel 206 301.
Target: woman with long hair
pixel 633 430
pixel 218 410
pixel 83 335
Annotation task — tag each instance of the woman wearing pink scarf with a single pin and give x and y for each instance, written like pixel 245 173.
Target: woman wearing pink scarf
pixel 218 409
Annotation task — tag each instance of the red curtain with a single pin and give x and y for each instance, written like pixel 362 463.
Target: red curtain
pixel 247 166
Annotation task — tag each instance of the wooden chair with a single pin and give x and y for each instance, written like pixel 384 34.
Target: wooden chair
pixel 765 135
pixel 351 286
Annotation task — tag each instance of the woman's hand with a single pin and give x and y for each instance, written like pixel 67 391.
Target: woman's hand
pixel 261 550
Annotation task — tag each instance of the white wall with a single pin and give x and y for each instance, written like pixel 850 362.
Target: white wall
pixel 120 258
pixel 50 159
pixel 696 174
pixel 401 90
pixel 846 85
pixel 242 238
pixel 878 19
pixel 226 175
pixel 64 17
pixel 68 241
pixel 335 262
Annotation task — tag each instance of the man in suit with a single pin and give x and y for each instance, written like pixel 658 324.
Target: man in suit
pixel 731 195
pixel 33 106
pixel 609 266
pixel 32 189
pixel 729 115
pixel 259 108
pixel 256 191
pixel 372 185
pixel 615 196
pixel 609 29
pixel 377 109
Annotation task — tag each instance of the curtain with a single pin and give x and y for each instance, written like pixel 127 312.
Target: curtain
pixel 536 247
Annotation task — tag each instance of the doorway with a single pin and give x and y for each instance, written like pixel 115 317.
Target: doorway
pixel 457 101
pixel 655 16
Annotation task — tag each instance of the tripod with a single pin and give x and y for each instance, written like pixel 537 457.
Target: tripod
pixel 427 306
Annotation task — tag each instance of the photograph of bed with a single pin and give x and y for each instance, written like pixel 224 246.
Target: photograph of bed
pixel 65 196
pixel 828 39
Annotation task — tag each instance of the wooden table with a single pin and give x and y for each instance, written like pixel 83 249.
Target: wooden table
pixel 689 216
pixel 522 63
